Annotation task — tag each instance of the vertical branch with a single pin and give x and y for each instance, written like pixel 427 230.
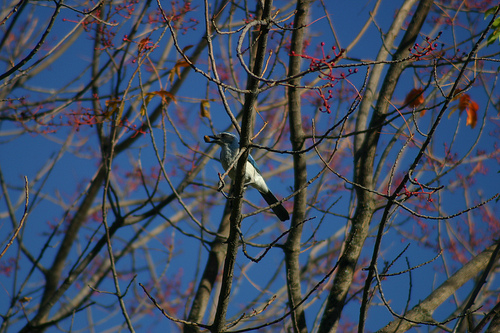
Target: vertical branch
pixel 54 273
pixel 371 140
pixel 214 262
pixel 297 138
pixel 366 148
pixel 246 134
pixel 218 249
pixel 376 72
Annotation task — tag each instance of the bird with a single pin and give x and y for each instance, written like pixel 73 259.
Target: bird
pixel 230 149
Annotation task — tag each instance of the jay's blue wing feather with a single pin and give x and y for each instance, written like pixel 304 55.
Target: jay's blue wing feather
pixel 252 162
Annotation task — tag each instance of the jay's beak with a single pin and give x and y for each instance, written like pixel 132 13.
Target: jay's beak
pixel 211 138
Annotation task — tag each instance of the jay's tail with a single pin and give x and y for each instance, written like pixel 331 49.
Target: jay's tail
pixel 279 210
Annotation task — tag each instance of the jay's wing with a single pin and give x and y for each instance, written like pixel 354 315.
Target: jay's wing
pixel 260 185
pixel 254 164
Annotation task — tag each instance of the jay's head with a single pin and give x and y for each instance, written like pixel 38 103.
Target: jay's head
pixel 223 139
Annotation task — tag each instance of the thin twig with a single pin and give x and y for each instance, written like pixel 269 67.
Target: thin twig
pixel 23 218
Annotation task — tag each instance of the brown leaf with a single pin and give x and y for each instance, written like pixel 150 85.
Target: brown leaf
pixel 463 102
pixel 205 109
pixel 472 114
pixel 25 299
pixel 185 48
pixel 177 69
pixel 415 97
pixel 113 106
pixel 471 107
pixel 165 95
pixel 161 93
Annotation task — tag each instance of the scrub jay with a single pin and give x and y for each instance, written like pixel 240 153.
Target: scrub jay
pixel 230 148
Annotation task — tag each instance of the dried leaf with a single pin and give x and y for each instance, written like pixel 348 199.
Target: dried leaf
pixel 472 114
pixel 452 110
pixel 147 99
pixel 185 48
pixel 113 106
pixel 165 95
pixel 463 102
pixel 415 97
pixel 471 107
pixel 25 299
pixel 205 109
pixel 177 69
